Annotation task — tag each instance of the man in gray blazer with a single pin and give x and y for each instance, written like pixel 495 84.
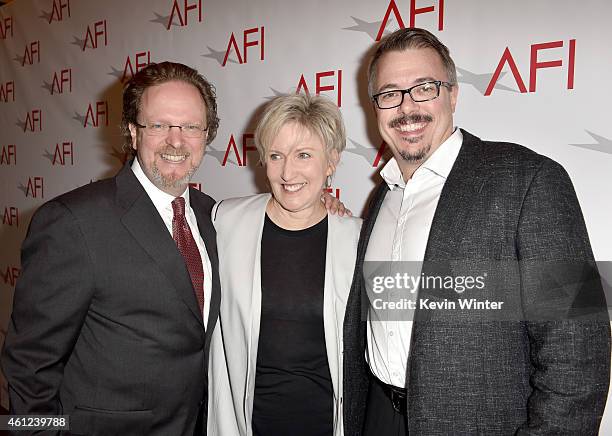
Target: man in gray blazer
pixel 462 206
pixel 119 292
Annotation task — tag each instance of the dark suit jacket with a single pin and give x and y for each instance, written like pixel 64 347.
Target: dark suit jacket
pixel 105 324
pixel 509 211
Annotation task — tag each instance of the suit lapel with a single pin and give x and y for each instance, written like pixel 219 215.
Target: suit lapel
pixel 370 220
pixel 206 228
pixel 143 221
pixel 357 304
pixel 452 215
pixel 460 191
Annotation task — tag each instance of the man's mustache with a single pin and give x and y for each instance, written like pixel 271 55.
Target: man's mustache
pixel 410 119
pixel 175 152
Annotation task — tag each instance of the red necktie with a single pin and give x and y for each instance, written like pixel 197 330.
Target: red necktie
pixel 188 248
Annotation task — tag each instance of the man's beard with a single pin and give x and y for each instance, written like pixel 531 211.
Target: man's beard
pixel 171 183
pixel 416 155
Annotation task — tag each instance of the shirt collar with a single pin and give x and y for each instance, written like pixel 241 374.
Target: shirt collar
pixel 440 162
pixel 162 200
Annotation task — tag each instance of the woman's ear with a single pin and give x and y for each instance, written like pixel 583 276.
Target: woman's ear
pixel 332 162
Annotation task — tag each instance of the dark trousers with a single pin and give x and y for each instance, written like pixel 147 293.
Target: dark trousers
pixel 381 418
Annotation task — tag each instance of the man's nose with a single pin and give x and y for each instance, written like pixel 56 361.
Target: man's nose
pixel 408 105
pixel 175 136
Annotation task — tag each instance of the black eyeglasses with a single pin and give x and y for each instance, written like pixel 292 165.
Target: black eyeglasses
pixel 418 93
pixel 160 129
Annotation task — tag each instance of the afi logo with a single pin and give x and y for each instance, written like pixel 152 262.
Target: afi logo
pixel 11 216
pixel 380 154
pixel 335 77
pixel 247 42
pixel 242 162
pixel 141 60
pixel 31 52
pixel 63 155
pixel 195 185
pixel 34 188
pixel 59 80
pixel 7 90
pixel 414 11
pixel 9 154
pixel 57 12
pixel 176 9
pixel 94 37
pixel 333 191
pixel 6 25
pixel 10 275
pixel 534 65
pixel 33 121
pixel 101 111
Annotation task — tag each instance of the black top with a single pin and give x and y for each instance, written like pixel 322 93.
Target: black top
pixel 293 389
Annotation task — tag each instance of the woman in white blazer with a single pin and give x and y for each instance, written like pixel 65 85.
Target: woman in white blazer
pixel 286 268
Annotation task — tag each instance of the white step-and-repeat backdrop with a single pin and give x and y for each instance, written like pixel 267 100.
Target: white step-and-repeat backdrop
pixel 536 73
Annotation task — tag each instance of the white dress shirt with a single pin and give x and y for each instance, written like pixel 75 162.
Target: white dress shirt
pixel 163 204
pixel 400 233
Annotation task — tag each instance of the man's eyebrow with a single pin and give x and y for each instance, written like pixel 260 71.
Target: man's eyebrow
pixel 425 79
pixel 417 81
pixel 388 86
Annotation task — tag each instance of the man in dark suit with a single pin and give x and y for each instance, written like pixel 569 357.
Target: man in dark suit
pixel 457 207
pixel 119 291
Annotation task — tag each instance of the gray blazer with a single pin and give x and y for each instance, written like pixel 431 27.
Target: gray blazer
pixel 507 204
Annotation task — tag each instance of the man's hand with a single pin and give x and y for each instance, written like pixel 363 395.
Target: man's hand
pixel 334 206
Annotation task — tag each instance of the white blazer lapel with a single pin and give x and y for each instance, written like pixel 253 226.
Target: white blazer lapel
pixel 239 248
pixel 342 238
pixel 256 215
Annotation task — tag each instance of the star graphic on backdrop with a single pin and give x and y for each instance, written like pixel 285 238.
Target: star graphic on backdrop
pixel 481 81
pixel 78 42
pixel 603 145
pixel 49 155
pixel 275 92
pixel 368 153
pixel 80 118
pixel 219 155
pixel 163 20
pixel 21 124
pixel 371 28
pixel 218 56
pixel 19 59
pixel 46 16
pixel 119 154
pixel 23 189
pixel 48 86
pixel 115 72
